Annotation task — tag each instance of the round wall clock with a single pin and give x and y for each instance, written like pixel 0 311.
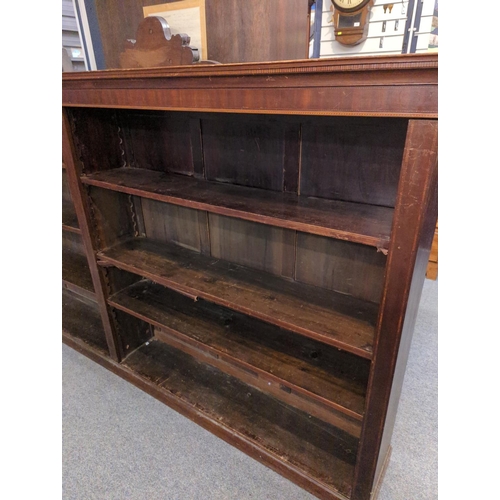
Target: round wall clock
pixel 350 20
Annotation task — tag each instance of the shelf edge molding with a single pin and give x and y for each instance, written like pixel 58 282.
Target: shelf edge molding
pixel 183 326
pixel 323 217
pixel 337 319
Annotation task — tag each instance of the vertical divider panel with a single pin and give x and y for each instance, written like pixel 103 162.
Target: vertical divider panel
pixel 82 212
pixel 414 219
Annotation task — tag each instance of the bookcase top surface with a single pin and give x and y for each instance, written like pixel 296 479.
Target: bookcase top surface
pixel 404 85
pixel 396 62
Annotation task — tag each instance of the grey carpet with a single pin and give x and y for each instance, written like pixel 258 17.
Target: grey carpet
pixel 121 444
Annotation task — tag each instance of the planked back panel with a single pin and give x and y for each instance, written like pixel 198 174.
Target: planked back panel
pixel 343 158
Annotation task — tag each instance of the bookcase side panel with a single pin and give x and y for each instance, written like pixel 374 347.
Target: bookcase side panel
pixel 416 199
pixel 83 213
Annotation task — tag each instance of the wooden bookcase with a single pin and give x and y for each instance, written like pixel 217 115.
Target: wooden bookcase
pixel 257 238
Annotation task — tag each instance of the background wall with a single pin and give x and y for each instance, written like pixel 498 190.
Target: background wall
pixel 405 18
pixel 237 30
pixel 71 42
pixel 256 30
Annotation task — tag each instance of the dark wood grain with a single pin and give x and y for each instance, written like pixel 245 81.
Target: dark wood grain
pixel 325 101
pixel 256 31
pixel 76 273
pixel 112 216
pixel 414 220
pixel 95 139
pixel 254 146
pixel 155 46
pixel 72 242
pixel 333 318
pixel 233 32
pixel 281 358
pixel 352 159
pixel 246 444
pixel 197 147
pixel 409 69
pixel 325 452
pixel 365 224
pixel 281 392
pixel 82 208
pixel 342 266
pixel 159 141
pixel 176 224
pixel 132 331
pixel 258 246
pixel 112 33
pixel 81 319
pixel 117 279
pixel 291 160
pixel 75 268
pixel 345 128
pixel 69 218
pixel 390 86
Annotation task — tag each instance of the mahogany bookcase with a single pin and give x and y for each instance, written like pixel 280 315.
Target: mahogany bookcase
pixel 256 240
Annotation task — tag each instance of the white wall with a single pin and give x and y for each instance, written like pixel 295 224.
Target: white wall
pixel 392 38
pixel 71 40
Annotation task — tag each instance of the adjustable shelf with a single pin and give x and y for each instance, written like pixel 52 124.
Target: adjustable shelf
pixel 284 437
pixel 333 318
pixel 356 222
pixel 312 376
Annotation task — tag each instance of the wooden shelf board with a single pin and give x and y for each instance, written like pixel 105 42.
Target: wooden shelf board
pixel 366 224
pixel 76 273
pixel 71 229
pixel 317 378
pixel 300 441
pixel 336 319
pixel 81 320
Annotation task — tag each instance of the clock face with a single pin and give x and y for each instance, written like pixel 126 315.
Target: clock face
pixel 348 5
